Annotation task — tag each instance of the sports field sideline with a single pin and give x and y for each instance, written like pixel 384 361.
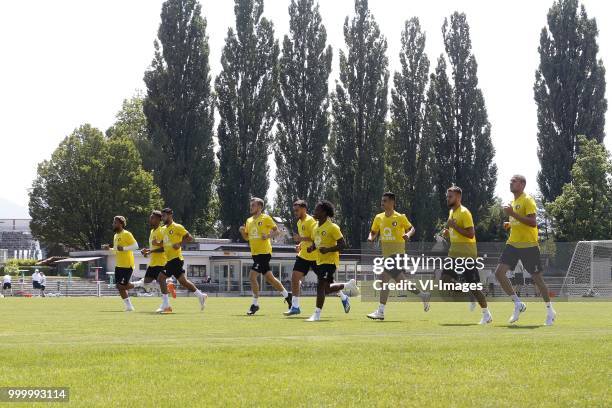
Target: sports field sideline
pixel 223 358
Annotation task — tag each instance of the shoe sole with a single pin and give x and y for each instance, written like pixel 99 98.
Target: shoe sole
pixel 375 318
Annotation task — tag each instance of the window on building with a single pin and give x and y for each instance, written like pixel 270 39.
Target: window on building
pixel 196 271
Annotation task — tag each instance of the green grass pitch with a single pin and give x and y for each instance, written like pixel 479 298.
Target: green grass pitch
pixel 222 357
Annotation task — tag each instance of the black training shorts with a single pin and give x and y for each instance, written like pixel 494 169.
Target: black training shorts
pixel 261 263
pixel 174 267
pixel 123 275
pixel 304 265
pixel 326 271
pixel 154 271
pixel 529 257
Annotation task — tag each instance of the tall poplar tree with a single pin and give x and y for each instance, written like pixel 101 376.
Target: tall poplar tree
pixel 359 111
pixel 464 151
pixel 569 90
pixel 179 111
pixel 247 89
pixel 303 101
pixel 408 153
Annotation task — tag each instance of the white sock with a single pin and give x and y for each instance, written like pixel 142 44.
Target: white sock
pixel 515 299
pixel 318 310
pixel 255 301
pixel 165 300
pixel 381 308
pixel 127 302
pixel 284 293
pixel 342 295
pixel 485 310
pixel 198 293
pixel 295 302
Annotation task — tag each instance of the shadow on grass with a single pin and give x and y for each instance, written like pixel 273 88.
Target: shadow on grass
pixel 511 326
pixel 459 324
pixel 246 315
pixel 385 321
pixel 157 313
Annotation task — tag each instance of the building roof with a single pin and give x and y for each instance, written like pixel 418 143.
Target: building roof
pixel 84 259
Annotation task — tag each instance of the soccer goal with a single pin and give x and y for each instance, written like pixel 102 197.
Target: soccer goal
pixel 590 270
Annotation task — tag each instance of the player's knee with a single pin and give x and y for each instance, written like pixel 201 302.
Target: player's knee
pixel 500 272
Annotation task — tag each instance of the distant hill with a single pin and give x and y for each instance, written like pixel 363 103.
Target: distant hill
pixel 8 209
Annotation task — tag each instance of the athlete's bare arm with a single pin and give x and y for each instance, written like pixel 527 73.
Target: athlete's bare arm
pixel 529 219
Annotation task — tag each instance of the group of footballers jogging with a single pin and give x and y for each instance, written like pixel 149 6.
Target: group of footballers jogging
pixel 165 249
pixel 319 242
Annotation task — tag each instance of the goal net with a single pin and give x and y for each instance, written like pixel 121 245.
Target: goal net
pixel 590 270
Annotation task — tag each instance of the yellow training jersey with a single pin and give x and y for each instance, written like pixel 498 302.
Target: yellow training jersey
pixel 391 232
pixel 124 259
pixel 522 235
pixel 327 236
pixel 255 228
pixel 306 229
pixel 157 258
pixel 461 246
pixel 173 234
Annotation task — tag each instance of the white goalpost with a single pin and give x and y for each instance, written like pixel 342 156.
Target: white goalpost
pixel 590 270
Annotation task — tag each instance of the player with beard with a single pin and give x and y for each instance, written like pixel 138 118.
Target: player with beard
pixel 123 245
pixel 258 230
pixel 393 231
pixel 157 262
pixel 174 237
pixel 460 230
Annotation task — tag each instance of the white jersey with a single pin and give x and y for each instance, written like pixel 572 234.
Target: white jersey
pixel 6 279
pixel 43 279
pixel 36 277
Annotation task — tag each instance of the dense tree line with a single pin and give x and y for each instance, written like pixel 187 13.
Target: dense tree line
pixel 416 135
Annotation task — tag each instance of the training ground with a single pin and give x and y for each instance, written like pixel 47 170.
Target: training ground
pixel 221 357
